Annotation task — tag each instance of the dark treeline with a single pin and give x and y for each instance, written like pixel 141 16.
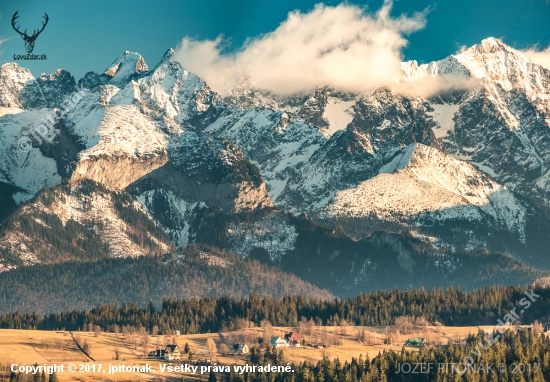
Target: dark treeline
pixel 522 356
pixel 208 314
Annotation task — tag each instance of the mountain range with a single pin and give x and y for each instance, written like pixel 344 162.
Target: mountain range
pixel 348 191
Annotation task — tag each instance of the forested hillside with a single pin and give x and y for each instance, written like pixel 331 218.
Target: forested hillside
pixel 193 273
pixel 208 314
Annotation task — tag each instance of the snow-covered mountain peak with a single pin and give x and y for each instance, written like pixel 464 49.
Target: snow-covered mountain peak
pixel 167 56
pixel 13 79
pixel 490 53
pixel 125 67
pixel 496 62
pixel 14 69
pixel 52 76
pixel 491 61
pixel 171 91
pixel 489 45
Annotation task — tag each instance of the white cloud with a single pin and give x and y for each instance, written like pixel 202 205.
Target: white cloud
pixel 541 57
pixel 2 41
pixel 341 47
pixel 428 85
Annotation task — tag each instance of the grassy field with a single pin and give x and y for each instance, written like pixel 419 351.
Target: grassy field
pixel 26 347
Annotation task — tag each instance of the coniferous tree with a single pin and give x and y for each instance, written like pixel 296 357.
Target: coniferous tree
pixel 212 377
pixel 36 376
pixel 255 355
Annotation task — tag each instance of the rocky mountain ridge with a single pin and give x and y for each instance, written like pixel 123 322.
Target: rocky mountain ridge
pixel 461 170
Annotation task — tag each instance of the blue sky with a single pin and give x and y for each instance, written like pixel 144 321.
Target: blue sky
pixel 85 36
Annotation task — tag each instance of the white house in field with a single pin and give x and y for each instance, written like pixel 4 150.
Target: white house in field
pixel 278 342
pixel 172 353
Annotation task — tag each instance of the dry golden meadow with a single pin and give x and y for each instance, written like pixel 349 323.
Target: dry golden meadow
pixel 26 347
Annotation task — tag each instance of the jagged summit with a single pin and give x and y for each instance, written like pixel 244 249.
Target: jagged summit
pixel 13 79
pixel 490 45
pixel 490 66
pixel 169 53
pixel 59 72
pixel 492 57
pixel 167 56
pixel 124 67
pixel 19 88
pixel 127 66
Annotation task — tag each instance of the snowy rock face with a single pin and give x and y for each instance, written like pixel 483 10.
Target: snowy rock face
pixel 498 123
pixel 423 188
pixel 303 165
pixel 223 177
pixel 26 171
pixel 464 169
pixel 56 87
pixel 13 80
pixel 502 127
pixel 126 67
pixel 418 180
pixel 130 130
pixel 19 88
pixel 246 96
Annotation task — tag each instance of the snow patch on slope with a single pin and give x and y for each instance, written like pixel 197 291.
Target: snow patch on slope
pixel 338 114
pixel 123 130
pixel 181 214
pixel 443 115
pixel 85 118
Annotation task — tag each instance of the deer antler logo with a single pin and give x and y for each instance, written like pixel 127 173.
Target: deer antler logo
pixel 29 40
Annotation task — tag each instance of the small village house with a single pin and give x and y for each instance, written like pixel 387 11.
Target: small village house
pixel 278 342
pixel 172 353
pixel 239 349
pixel 293 339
